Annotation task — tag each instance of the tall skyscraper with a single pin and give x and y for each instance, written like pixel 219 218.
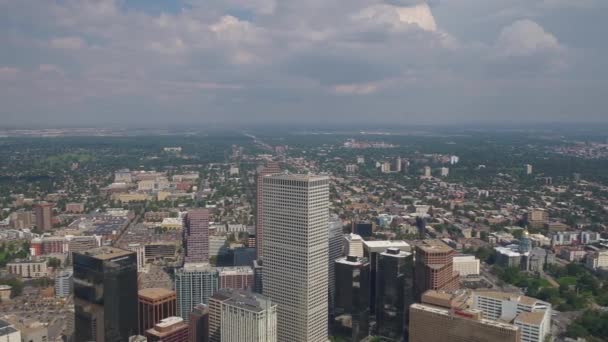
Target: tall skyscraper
pixel 198 327
pixel 155 304
pixel 194 284
pixel 105 295
pixel 44 215
pixel 295 220
pixel 351 308
pixel 270 168
pixel 434 268
pixel 196 235
pixel 335 252
pixel 395 293
pixel 240 316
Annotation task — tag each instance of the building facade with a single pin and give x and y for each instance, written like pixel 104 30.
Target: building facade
pixel 434 268
pixel 269 169
pixel 466 265
pixel 235 277
pixel 155 304
pixel 64 283
pixel 198 325
pixel 105 295
pixel 44 215
pixel 194 284
pixel 28 268
pixel 295 219
pixel 335 252
pixel 350 315
pixel 170 329
pixel 196 235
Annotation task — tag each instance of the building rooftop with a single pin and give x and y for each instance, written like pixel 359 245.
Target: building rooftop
pixel 384 244
pixel 298 177
pixel 245 300
pixel 352 260
pixel 155 293
pixel 509 296
pixel 197 267
pixel 446 312
pixel 106 253
pixel 531 318
pixel 430 246
pixel 234 270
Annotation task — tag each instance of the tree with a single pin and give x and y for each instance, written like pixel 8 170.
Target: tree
pixel 54 263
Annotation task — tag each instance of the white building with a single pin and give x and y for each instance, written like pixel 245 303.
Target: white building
pixel 360 160
pixel 245 316
pixel 353 245
pixel 379 246
pixel 8 333
pixel 63 283
pixel 351 168
pixel 528 169
pixel 445 172
pixel 295 217
pixel 466 265
pixel 597 260
pixel 454 160
pixel 427 172
pixel 531 315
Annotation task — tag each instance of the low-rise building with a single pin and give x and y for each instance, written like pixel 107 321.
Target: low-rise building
pixel 598 259
pixel 466 265
pixel 170 329
pixel 8 333
pixel 28 268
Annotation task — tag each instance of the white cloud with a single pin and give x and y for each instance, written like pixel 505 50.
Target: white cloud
pixel 67 43
pixel 398 17
pixel 524 38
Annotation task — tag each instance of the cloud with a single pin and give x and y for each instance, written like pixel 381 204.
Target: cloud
pixel 398 17
pixel 67 43
pixel 524 38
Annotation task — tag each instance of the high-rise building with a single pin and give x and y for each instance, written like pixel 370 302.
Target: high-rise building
pixel 394 293
pixel 532 316
pixel 353 245
pixel 295 218
pixel 335 252
pixel 351 307
pixel 44 215
pixel 198 326
pixel 64 281
pixel 235 277
pixel 196 235
pixel 258 276
pixel 239 316
pixel 194 284
pixel 105 295
pixel 155 304
pixel 270 168
pixel 170 329
pixel 434 268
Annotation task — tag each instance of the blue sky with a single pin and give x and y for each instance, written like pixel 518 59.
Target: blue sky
pixel 100 62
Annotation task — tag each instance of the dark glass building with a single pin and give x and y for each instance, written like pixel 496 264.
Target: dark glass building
pixel 395 293
pixel 105 295
pixel 363 229
pixel 351 309
pixel 199 324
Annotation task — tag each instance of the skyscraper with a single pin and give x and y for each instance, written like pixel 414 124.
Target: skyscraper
pixel 240 316
pixel 270 168
pixel 44 215
pixel 395 293
pixel 155 304
pixel 335 252
pixel 352 302
pixel 194 284
pixel 105 295
pixel 295 219
pixel 196 235
pixel 434 268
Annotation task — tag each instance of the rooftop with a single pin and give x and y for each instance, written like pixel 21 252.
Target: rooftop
pixel 531 318
pixel 155 293
pixel 245 300
pixel 298 177
pixel 107 253
pixel 430 246
pixel 385 244
pixel 509 296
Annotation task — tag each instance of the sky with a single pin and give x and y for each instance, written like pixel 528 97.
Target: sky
pixel 315 62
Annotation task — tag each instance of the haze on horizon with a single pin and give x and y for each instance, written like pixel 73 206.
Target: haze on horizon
pixel 155 62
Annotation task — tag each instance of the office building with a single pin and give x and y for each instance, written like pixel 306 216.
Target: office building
pixel 194 284
pixel 427 172
pixel 394 293
pixel 506 257
pixel 466 265
pixel 434 267
pixel 64 283
pixel 445 172
pixel 44 215
pixel 198 325
pixel 8 333
pixel 155 304
pixel 196 236
pixel 296 214
pixel 170 329
pixel 74 208
pixel 529 169
pixel 430 323
pixel 353 245
pixel 350 318
pixel 258 276
pixel 22 219
pixel 364 229
pixel 269 169
pixel 239 316
pixel 235 277
pixel 105 295
pixel 532 316
pixel 335 252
